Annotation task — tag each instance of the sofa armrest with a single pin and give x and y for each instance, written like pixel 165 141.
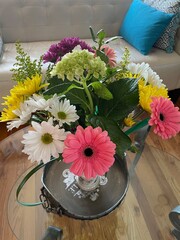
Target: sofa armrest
pixel 177 41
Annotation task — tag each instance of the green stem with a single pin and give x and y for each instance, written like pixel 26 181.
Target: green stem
pixel 91 105
pixel 78 82
pixel 137 126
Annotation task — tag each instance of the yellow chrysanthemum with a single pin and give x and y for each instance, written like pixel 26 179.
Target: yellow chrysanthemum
pixel 146 92
pixel 12 103
pixel 29 86
pixel 13 100
pixel 7 114
pixel 18 94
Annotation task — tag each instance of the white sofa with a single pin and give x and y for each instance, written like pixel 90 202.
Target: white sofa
pixel 39 23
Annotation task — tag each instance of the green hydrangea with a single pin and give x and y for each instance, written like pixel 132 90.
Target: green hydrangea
pixel 79 65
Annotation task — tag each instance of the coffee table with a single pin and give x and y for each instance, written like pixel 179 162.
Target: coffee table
pixel 153 192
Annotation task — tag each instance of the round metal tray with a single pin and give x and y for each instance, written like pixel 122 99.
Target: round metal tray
pixel 68 200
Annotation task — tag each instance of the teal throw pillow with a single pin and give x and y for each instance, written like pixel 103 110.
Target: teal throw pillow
pixel 143 25
pixel 167 39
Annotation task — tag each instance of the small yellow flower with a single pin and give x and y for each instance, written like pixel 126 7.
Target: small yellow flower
pixel 146 92
pixel 122 75
pixel 129 122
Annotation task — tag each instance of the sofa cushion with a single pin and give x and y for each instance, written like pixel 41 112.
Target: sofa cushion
pixel 1 48
pixel 44 20
pixel 143 25
pixel 167 40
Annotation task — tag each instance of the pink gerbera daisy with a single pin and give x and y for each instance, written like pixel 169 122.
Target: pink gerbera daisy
pixel 90 150
pixel 165 116
pixel 110 53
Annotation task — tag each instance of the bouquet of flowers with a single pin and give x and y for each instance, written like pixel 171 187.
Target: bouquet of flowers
pixel 79 107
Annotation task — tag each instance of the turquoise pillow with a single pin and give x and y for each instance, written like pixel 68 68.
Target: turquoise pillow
pixel 143 25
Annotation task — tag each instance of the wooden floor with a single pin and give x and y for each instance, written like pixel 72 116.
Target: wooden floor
pixel 171 146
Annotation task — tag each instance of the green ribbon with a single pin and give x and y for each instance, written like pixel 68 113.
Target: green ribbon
pixel 25 179
pixel 139 125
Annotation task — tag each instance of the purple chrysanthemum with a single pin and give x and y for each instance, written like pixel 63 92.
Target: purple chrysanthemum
pixel 50 57
pixel 84 45
pixel 66 45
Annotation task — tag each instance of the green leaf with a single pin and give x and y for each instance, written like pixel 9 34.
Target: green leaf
pixel 101 90
pixel 116 134
pixel 70 89
pixel 77 96
pixel 54 81
pixel 133 149
pixel 57 86
pixel 101 34
pixel 65 85
pixel 92 34
pixel 110 72
pixel 125 99
pixel 72 86
pixel 102 56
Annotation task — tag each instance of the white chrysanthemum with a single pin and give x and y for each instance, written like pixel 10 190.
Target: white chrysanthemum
pixel 139 68
pixel 40 103
pixel 154 79
pixel 64 112
pixel 44 142
pixel 24 114
pixel 145 71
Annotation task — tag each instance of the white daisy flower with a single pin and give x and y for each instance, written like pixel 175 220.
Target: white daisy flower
pixel 64 112
pixel 44 142
pixel 24 115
